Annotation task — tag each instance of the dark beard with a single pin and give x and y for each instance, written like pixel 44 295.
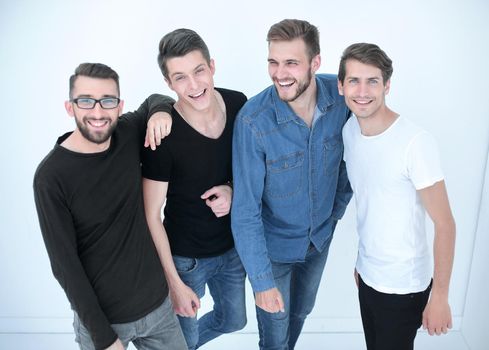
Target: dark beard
pixel 97 138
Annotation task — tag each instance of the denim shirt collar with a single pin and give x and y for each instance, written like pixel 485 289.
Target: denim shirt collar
pixel 283 111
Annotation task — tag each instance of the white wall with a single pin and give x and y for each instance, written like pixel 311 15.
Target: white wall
pixel 477 303
pixel 439 49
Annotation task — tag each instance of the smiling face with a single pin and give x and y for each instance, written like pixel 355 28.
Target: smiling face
pixel 95 125
pixel 364 89
pixel 290 68
pixel 192 79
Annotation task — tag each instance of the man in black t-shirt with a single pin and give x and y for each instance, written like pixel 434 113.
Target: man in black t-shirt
pixel 89 202
pixel 191 170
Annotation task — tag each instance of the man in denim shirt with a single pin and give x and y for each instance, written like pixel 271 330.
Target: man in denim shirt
pixel 290 183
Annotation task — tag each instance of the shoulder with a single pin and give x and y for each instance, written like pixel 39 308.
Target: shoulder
pixel 328 79
pixel 350 129
pixel 327 85
pixel 50 168
pixel 233 99
pixel 350 124
pixel 258 105
pixel 232 95
pixel 412 132
pixel 413 140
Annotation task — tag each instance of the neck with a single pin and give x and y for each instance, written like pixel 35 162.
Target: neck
pixel 209 122
pixel 377 124
pixel 191 115
pixel 305 104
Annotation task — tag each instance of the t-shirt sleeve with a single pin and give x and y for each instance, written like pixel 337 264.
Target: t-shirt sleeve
pixel 423 161
pixel 158 164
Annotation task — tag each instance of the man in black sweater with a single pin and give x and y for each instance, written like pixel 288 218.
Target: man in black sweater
pixel 89 202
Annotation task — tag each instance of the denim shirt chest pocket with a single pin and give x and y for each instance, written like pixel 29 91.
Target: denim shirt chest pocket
pixel 333 152
pixel 284 175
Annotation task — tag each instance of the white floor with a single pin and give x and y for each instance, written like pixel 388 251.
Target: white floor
pixel 241 341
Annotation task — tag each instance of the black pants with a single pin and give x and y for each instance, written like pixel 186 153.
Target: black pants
pixel 390 321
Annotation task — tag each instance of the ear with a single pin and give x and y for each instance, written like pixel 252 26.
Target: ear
pixel 121 107
pixel 168 82
pixel 387 87
pixel 315 63
pixel 340 87
pixel 212 66
pixel 69 108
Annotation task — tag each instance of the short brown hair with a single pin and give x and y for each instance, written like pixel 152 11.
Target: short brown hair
pixel 290 29
pixel 94 70
pixel 369 54
pixel 178 43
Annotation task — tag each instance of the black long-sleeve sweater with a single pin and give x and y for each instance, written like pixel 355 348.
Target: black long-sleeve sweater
pixel 91 215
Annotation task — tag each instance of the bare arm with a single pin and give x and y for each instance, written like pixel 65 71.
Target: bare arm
pixel 437 316
pixel 185 301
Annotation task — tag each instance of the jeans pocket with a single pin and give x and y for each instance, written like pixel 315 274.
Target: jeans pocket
pixel 184 265
pixel 284 175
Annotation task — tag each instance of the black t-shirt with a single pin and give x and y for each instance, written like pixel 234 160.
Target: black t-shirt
pixel 192 163
pixel 92 218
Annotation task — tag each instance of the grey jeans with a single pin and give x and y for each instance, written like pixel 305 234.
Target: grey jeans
pixel 158 330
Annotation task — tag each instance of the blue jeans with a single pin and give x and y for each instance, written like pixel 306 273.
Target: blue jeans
pixel 225 278
pixel 158 330
pixel 298 283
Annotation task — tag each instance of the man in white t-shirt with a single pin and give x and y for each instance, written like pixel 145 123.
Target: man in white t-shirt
pixel 396 177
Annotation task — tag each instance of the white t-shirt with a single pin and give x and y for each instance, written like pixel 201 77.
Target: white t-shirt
pixel 385 171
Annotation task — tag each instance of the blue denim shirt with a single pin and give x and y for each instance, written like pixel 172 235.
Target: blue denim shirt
pixel 290 182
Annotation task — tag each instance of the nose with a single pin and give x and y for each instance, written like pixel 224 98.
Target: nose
pixel 193 82
pixel 97 110
pixel 280 71
pixel 363 89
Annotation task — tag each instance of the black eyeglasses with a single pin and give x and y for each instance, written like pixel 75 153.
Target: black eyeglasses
pixel 89 103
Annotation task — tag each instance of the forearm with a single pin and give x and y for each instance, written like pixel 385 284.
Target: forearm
pixel 154 103
pixel 435 201
pixel 159 103
pixel 250 243
pixel 160 239
pixel 443 251
pixel 437 316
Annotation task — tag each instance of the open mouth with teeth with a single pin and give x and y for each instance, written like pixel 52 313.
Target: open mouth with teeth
pixel 197 95
pixel 285 83
pixel 362 102
pixel 98 123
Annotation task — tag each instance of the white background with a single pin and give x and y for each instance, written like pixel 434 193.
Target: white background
pixel 440 51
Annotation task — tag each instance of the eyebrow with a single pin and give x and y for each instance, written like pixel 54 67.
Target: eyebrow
pixel 369 78
pixel 288 60
pixel 91 96
pixel 176 73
